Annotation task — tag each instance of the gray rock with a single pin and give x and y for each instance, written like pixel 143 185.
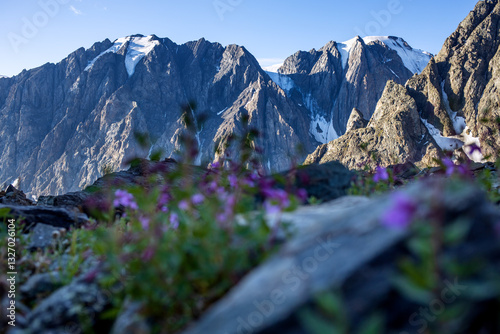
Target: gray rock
pixel 40 284
pixel 14 196
pixel 394 135
pixel 70 200
pixel 68 309
pixel 130 321
pixel 324 182
pixel 348 249
pixel 56 217
pixel 311 262
pixel 41 236
pixel 356 121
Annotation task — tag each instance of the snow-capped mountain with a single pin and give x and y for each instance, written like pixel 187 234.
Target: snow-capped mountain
pixel 62 124
pixel 453 105
pixel 335 79
pixel 414 60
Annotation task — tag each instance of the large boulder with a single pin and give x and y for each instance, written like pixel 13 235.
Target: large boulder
pixel 343 246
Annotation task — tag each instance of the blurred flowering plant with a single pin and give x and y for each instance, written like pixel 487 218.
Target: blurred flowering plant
pixel 176 243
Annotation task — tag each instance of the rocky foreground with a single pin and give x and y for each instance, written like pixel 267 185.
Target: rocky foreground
pixel 344 248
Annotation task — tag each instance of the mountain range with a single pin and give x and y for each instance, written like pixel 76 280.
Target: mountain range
pixel 453 105
pixel 62 125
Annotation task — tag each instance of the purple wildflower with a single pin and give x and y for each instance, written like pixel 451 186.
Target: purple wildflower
pixel 302 195
pixel 222 217
pixel 164 199
pixel 271 208
pixel 212 187
pixel 402 212
pixel 449 165
pixel 474 148
pixel 125 199
pixel 174 220
pixel 215 165
pixel 278 195
pixel 380 174
pixel 148 254
pixel 183 205
pixel 233 180
pixel 144 222
pixel 197 199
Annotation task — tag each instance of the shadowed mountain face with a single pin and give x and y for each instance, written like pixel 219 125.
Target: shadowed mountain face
pixel 456 97
pixel 62 124
pixel 332 81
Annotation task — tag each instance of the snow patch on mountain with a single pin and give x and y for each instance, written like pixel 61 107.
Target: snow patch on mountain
pixel 345 49
pixel 414 60
pixel 286 83
pixel 322 130
pixel 138 48
pixel 458 122
pixel 446 143
pixel 273 68
pixel 469 140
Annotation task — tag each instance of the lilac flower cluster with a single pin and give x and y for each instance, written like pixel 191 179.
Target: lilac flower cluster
pixel 220 189
pixel 402 212
pixel 452 169
pixel 124 199
pixel 276 201
pixel 381 174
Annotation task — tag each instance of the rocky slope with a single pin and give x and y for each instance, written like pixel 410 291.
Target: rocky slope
pixel 394 135
pixel 456 96
pixel 62 124
pixel 458 91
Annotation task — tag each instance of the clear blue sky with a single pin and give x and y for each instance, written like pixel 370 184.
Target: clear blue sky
pixel 33 32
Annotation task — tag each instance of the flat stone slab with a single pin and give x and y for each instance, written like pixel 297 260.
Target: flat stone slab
pixel 337 245
pixel 333 240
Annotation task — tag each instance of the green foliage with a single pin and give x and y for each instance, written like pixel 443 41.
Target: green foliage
pixel 329 315
pixel 365 185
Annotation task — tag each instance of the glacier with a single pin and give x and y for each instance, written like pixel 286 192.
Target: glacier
pixel 138 48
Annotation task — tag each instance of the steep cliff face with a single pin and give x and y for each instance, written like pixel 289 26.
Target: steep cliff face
pixel 456 96
pixel 62 124
pixel 458 92
pixel 394 135
pixel 338 77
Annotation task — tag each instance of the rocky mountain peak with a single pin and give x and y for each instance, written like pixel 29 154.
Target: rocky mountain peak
pixel 394 135
pixel 98 98
pixel 456 96
pixel 356 121
pixel 458 92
